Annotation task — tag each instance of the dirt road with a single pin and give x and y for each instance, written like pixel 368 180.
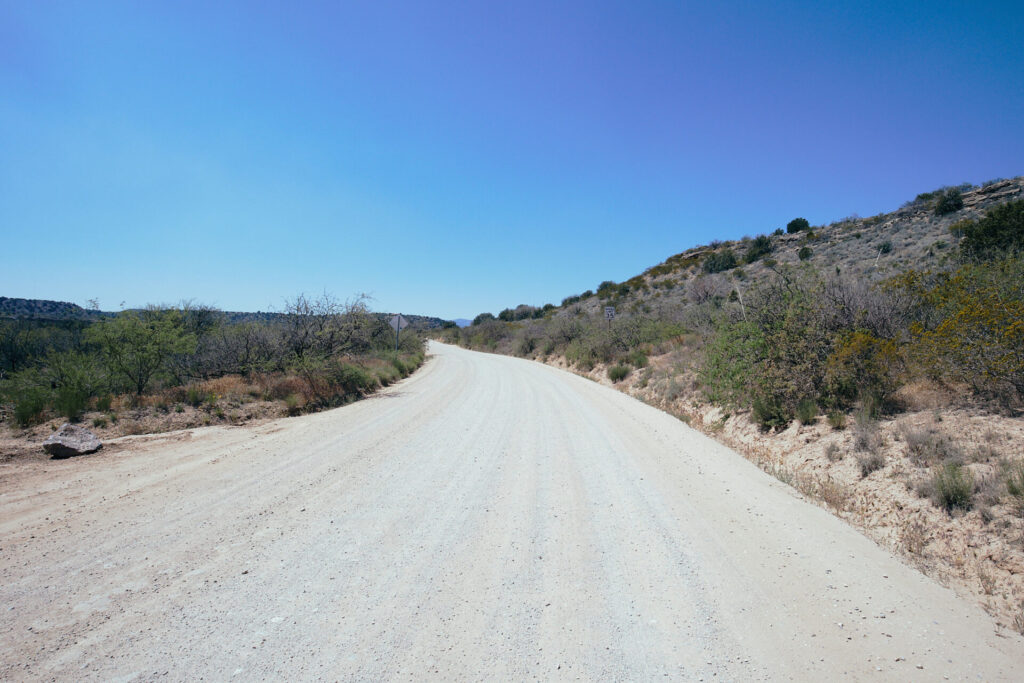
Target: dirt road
pixel 488 518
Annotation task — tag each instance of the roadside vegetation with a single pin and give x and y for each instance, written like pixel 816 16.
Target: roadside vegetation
pixel 875 364
pixel 195 362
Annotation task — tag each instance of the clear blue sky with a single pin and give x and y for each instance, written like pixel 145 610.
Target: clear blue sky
pixel 451 158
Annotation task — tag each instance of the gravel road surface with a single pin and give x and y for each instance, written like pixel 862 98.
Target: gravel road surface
pixel 488 518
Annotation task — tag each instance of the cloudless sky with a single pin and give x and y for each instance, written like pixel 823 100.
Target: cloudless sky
pixel 449 158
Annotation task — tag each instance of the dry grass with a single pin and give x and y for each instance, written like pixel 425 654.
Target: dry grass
pixel 987 581
pixel 870 462
pixel 913 537
pixel 833 452
pixel 865 434
pixel 925 395
pixel 927 446
pixel 833 493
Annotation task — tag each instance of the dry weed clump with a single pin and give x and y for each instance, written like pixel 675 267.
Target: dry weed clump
pixel 927 447
pixel 233 386
pixel 1014 481
pixel 914 537
pixel 950 486
pixel 833 493
pixel 986 580
pixel 866 437
pixel 280 388
pixel 870 462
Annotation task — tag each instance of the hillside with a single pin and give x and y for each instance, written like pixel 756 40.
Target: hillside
pixel 41 309
pixel 913 236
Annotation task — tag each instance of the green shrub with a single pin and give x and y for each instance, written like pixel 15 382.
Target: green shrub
pixel 949 201
pixel 617 373
pixel 607 289
pixel 103 403
pixel 353 379
pixel 291 404
pixel 719 261
pixel 759 246
pixel 730 360
pixel 804 253
pixel 637 359
pixel 1015 484
pixel 482 318
pixel 797 224
pixel 770 413
pixel 885 247
pixel 400 365
pixel 870 462
pixel 99 422
pixel 137 346
pixel 969 329
pixel 953 486
pixel 862 366
pixel 194 396
pixel 29 405
pixel 837 420
pixel 807 411
pixel 1001 230
pixel 71 402
pixel 28 391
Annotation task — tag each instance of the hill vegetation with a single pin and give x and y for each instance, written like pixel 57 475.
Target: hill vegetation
pixel 834 317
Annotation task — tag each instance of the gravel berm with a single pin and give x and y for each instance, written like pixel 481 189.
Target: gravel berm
pixel 488 518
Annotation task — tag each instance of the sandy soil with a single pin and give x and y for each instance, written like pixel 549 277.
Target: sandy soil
pixel 487 518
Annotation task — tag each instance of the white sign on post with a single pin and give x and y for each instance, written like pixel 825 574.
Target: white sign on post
pixel 609 313
pixel 398 323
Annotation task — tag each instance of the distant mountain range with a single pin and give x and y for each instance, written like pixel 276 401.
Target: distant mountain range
pixel 43 309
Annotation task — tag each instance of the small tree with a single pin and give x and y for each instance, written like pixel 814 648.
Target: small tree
pixel 136 345
pixel 797 225
pixel 759 246
pixel 482 318
pixel 949 201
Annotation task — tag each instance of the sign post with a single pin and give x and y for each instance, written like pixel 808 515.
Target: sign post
pixel 609 314
pixel 399 323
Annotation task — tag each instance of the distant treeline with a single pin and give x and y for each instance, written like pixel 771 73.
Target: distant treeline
pixel 326 350
pixel 44 309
